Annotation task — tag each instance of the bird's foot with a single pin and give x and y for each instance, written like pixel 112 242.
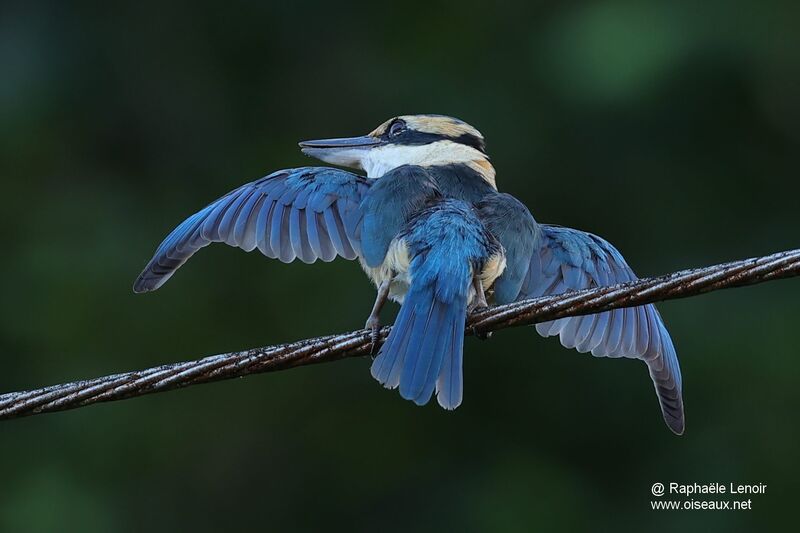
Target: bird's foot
pixel 374 325
pixel 482 335
pixel 374 321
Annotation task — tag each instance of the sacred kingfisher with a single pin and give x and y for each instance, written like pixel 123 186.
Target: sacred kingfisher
pixel 433 233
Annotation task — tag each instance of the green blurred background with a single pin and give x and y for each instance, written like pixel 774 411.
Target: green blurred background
pixel 670 128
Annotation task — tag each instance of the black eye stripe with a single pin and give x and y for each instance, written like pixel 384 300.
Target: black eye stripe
pixel 472 140
pixel 415 138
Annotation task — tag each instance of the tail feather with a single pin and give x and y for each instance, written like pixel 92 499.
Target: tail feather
pixel 442 347
pixel 389 363
pixel 450 385
pixel 424 350
pixel 423 369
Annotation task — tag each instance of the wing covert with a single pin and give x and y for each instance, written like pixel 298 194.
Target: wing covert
pixel 513 225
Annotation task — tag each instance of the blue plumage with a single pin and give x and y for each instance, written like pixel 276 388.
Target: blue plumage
pixel 548 260
pixel 447 244
pixel 462 182
pixel 432 232
pixel 391 202
pixel 307 213
pixel 567 259
pixel 513 225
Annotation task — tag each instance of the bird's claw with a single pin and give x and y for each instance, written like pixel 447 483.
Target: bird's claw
pixel 482 335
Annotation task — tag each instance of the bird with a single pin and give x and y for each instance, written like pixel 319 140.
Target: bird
pixel 431 230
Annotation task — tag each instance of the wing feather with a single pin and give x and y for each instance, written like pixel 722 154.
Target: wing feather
pixel 566 259
pixel 308 213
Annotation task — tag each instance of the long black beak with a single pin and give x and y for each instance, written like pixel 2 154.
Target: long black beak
pixel 345 142
pixel 347 152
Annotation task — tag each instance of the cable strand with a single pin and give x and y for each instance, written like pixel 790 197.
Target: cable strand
pixel 328 348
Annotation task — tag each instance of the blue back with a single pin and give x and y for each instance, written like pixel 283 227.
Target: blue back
pixel 390 202
pixel 461 182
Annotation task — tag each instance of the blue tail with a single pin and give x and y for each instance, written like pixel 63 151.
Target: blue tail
pixel 423 353
pixel 425 349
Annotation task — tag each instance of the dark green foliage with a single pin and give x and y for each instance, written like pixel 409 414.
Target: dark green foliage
pixel 668 128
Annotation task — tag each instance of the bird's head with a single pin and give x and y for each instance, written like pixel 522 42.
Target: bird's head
pixel 424 140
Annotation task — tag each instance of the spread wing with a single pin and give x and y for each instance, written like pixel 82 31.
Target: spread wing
pixel 307 213
pixel 567 259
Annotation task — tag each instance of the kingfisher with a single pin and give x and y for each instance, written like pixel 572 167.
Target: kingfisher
pixel 429 227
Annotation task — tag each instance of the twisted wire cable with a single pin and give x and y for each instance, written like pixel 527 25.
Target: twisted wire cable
pixel 114 387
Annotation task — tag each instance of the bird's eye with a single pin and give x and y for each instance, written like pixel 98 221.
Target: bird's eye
pixel 397 128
